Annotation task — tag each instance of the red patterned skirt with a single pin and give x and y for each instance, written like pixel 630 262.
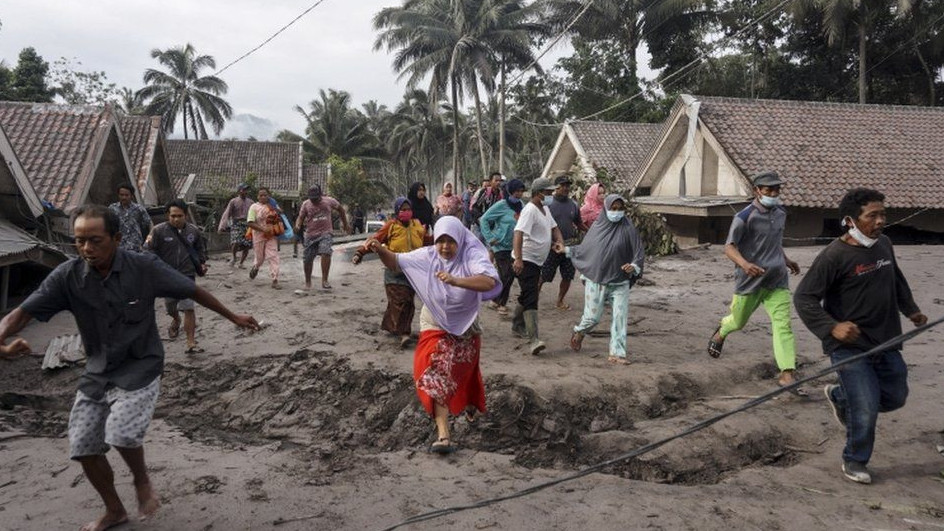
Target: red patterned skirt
pixel 446 370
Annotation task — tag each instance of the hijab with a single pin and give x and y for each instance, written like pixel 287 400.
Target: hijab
pixel 422 208
pixel 607 246
pixel 592 204
pixel 453 308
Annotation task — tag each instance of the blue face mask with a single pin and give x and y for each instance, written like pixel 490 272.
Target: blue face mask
pixel 514 199
pixel 615 215
pixel 770 202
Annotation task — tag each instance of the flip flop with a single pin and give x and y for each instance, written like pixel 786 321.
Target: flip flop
pixel 442 447
pixel 173 330
pixel 618 361
pixel 576 341
pixel 470 417
pixel 195 349
pixel 325 285
pixel 715 347
pixel 563 307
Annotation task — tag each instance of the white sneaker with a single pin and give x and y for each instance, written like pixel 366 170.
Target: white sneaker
pixel 857 472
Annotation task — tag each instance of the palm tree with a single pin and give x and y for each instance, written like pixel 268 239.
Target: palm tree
pixel 182 91
pixel 458 43
pixel 840 15
pixel 417 134
pixel 625 22
pixel 333 127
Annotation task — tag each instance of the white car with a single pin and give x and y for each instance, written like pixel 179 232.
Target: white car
pixel 372 226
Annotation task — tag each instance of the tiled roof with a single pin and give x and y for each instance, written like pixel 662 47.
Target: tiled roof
pixel 315 174
pixel 823 149
pixel 220 165
pixel 620 147
pixel 140 134
pixel 57 145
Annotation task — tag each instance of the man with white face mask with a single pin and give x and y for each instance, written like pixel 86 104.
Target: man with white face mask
pixel 755 245
pixel 850 299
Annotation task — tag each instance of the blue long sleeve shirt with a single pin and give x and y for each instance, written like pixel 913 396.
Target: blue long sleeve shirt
pixel 498 226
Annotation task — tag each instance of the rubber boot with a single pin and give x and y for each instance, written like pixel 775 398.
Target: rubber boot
pixel 531 324
pixel 518 327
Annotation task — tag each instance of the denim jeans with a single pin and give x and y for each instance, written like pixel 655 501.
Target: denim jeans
pixel 870 386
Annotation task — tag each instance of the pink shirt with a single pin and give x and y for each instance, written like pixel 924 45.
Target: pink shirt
pixel 317 216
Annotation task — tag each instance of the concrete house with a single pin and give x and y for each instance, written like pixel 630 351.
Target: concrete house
pixel 697 172
pixel 72 154
pixel 584 147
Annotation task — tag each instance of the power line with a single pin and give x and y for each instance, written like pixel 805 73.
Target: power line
pixel 553 42
pixel 657 444
pixel 274 35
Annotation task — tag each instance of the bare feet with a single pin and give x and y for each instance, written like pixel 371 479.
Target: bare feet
pixel 148 501
pixel 106 521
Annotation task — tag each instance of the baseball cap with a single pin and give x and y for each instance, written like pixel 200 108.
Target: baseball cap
pixel 242 186
pixel 541 184
pixel 563 179
pixel 767 178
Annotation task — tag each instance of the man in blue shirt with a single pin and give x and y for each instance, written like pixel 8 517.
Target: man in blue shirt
pixel 111 293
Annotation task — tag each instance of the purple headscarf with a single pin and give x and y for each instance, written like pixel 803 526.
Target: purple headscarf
pixel 453 308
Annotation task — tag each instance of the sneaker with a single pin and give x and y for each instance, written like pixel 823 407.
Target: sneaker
pixel 839 412
pixel 857 472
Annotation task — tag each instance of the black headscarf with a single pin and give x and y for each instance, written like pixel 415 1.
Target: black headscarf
pixel 422 208
pixel 607 246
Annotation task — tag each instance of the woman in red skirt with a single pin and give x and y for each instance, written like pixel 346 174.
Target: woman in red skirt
pixel 452 278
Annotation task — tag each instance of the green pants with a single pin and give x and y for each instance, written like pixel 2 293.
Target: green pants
pixel 777 304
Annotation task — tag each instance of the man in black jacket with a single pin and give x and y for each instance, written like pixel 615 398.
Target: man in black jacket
pixel 181 246
pixel 850 299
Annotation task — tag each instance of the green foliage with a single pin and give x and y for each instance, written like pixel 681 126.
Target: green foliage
pixel 350 183
pixel 6 82
pixel 221 189
pixel 28 81
pixel 77 87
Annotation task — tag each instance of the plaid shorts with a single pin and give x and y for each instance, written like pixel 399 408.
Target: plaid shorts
pixel 119 418
pixel 318 245
pixel 554 261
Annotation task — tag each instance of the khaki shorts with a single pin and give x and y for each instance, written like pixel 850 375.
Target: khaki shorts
pixel 119 418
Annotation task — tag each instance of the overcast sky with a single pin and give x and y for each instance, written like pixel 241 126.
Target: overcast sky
pixel 330 47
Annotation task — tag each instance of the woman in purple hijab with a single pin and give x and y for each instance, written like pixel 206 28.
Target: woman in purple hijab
pixel 452 278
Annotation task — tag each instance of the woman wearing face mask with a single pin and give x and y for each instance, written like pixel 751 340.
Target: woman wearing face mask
pixel 592 204
pixel 422 208
pixel 610 258
pixel 400 235
pixel 498 231
pixel 452 279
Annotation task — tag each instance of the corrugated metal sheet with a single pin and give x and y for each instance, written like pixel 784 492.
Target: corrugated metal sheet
pixel 14 240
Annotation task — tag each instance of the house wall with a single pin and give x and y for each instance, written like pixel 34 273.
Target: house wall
pixel 706 172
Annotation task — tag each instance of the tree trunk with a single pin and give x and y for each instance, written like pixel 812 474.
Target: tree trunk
pixel 185 121
pixel 932 94
pixel 501 122
pixel 456 178
pixel 863 64
pixel 478 128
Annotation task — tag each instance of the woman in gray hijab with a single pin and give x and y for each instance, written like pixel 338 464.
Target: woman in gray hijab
pixel 610 259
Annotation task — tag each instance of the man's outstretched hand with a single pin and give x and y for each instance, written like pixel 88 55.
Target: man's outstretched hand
pixel 246 321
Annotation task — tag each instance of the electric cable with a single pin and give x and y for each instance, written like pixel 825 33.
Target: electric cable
pixel 901 338
pixel 274 35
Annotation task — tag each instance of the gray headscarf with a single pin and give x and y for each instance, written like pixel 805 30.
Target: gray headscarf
pixel 607 246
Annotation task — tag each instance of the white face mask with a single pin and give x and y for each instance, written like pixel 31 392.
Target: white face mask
pixel 770 202
pixel 858 235
pixel 615 215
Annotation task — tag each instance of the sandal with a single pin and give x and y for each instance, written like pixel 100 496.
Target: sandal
pixel 173 330
pixel 194 349
pixel 714 347
pixel 253 272
pixel 404 341
pixel 442 446
pixel 576 341
pixel 618 360
pixel 563 307
pixel 470 416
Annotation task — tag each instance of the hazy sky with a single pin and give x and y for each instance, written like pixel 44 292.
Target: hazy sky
pixel 330 47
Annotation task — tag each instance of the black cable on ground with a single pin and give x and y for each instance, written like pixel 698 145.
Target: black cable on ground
pixel 654 445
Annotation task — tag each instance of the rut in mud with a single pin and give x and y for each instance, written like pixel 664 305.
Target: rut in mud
pixel 315 403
